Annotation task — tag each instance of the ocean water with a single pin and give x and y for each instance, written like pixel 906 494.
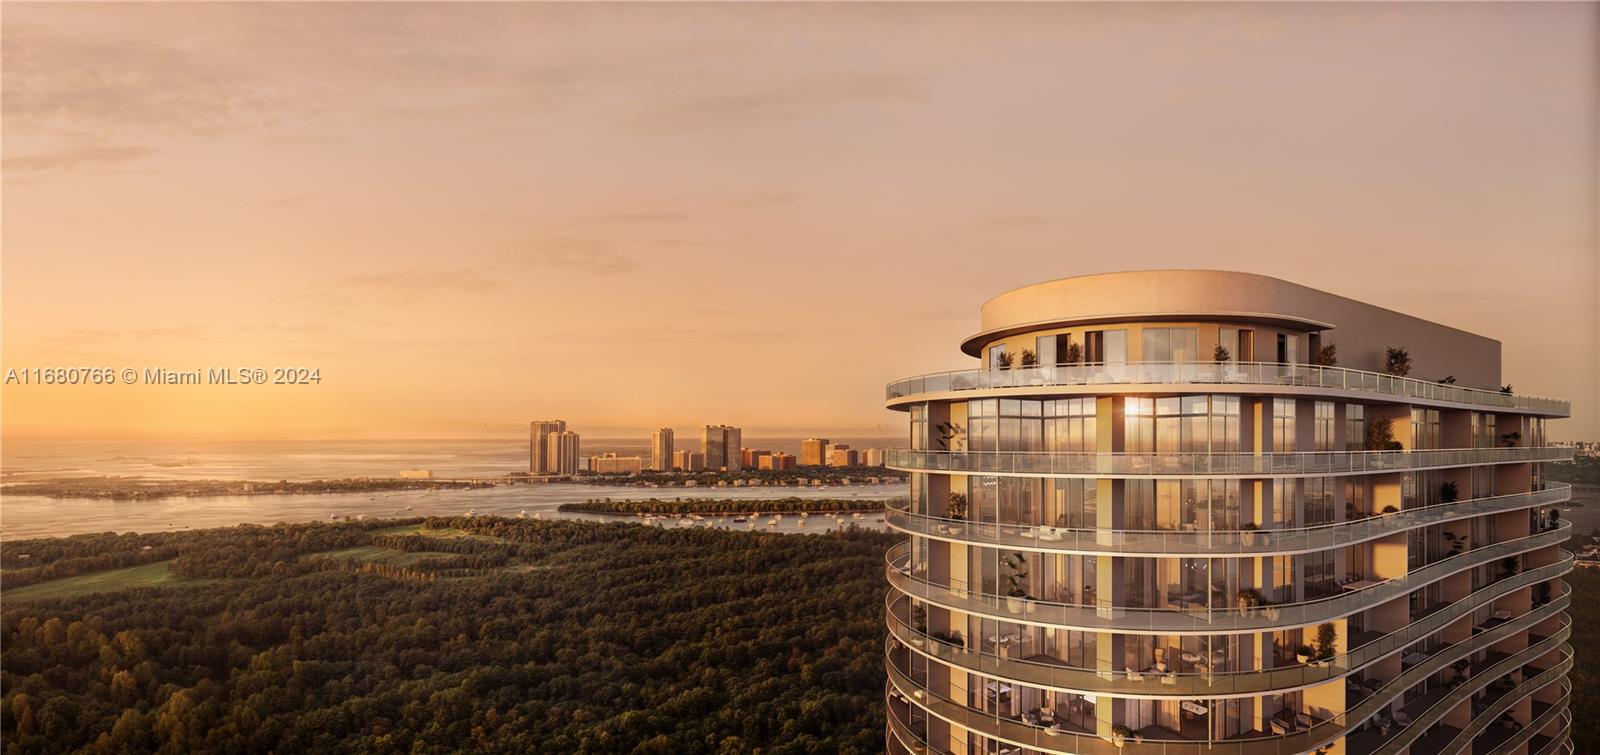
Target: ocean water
pixel 35 516
pixel 314 460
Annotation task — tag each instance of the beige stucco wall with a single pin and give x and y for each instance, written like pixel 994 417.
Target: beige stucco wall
pixel 1361 331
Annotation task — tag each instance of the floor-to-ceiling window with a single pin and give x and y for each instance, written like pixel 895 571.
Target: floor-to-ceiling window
pixel 1283 425
pixel 1322 426
pixel 1355 427
pixel 1071 425
pixel 1170 344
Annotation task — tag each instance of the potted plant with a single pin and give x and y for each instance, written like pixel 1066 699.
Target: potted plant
pixel 1074 354
pixel 1542 595
pixel 1390 509
pixel 1508 567
pixel 1447 380
pixel 1327 641
pixel 1449 492
pixel 1460 668
pixel 1220 354
pixel 1302 653
pixel 1380 436
pixel 1029 359
pixel 1249 598
pixel 1397 361
pixel 1327 356
pixel 1458 543
pixel 958 506
pixel 1506 389
pixel 1016 593
pixel 1004 360
pixel 1511 439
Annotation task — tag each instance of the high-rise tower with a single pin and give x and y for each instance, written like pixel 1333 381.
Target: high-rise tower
pixel 1158 519
pixel 538 444
pixel 661 450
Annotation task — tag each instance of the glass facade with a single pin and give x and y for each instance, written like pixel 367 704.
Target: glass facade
pixel 1105 611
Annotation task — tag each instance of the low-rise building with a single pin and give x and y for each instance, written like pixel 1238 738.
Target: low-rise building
pixel 610 463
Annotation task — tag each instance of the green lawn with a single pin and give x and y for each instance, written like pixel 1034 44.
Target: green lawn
pixel 158 574
pixel 379 555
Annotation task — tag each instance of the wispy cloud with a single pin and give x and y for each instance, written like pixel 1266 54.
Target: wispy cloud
pixel 422 282
pixel 99 336
pixel 88 157
pixel 577 254
pixel 778 102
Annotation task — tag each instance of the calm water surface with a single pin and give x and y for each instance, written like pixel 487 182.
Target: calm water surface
pixel 33 516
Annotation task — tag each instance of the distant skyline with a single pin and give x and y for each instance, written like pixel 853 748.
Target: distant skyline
pixel 469 217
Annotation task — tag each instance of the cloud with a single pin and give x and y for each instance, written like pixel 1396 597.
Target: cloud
pixel 778 102
pixel 100 336
pixel 89 157
pixel 578 254
pixel 102 85
pixel 422 282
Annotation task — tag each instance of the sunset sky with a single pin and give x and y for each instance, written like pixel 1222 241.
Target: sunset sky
pixel 628 216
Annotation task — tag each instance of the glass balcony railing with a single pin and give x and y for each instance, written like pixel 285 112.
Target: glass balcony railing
pixel 1269 374
pixel 1201 620
pixel 1056 675
pixel 1211 542
pixel 1539 722
pixel 1560 743
pixel 1016 731
pixel 1407 736
pixel 1298 464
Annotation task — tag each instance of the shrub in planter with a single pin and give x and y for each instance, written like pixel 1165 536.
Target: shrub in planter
pixel 1397 361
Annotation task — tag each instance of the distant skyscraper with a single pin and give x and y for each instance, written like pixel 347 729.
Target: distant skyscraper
pixel 721 444
pixel 871 457
pixel 538 444
pixel 813 452
pixel 562 454
pixel 661 450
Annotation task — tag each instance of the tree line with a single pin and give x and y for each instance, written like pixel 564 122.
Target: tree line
pixel 581 637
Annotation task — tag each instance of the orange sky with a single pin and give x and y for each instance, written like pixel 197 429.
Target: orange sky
pixel 471 216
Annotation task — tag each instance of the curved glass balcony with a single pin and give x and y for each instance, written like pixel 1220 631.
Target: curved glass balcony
pixel 1212 542
pixel 1560 743
pixel 1269 375
pixel 1243 464
pixel 1069 742
pixel 1484 720
pixel 1057 676
pixel 1107 618
pixel 1539 722
pixel 1420 724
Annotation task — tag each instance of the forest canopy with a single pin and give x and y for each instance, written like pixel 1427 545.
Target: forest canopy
pixel 442 635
